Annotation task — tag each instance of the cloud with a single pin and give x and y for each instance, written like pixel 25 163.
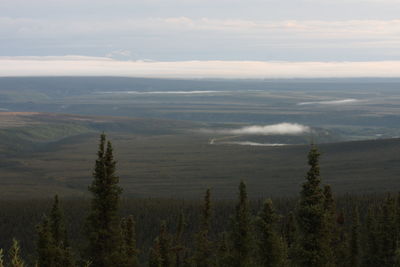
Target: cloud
pixel 97 66
pixel 274 129
pixel 331 102
pixel 120 54
pixel 247 143
pixel 362 30
pixel 204 92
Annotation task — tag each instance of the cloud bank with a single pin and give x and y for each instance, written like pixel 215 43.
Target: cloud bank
pixel 249 143
pixel 274 129
pixel 101 66
pixel 204 92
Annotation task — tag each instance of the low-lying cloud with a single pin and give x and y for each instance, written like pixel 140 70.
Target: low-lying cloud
pixel 331 102
pixel 274 129
pixel 100 66
pixel 164 92
pixel 249 143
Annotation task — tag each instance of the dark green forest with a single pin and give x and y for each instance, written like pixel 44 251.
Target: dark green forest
pixel 314 228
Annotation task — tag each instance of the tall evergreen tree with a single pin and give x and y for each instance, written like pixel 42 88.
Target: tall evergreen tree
pixel 203 254
pixel 388 231
pixel 155 259
pixel 341 245
pixel 290 231
pixel 311 218
pixel 354 240
pixel 331 233
pixel 398 217
pixel 165 246
pixel 57 224
pixel 224 258
pixel 371 255
pixel 102 225
pixel 46 248
pixel 1 258
pixel 291 236
pixel 179 247
pixel 52 244
pixel 130 251
pixel 59 236
pixel 241 235
pixel 271 247
pixel 14 254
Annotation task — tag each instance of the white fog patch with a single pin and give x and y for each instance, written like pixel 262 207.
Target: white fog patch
pixel 164 92
pixel 284 128
pixel 273 129
pixel 331 102
pixel 249 143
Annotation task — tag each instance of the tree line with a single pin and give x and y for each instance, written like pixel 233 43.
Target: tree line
pixel 314 230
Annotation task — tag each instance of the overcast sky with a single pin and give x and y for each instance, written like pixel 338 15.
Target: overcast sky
pixel 202 30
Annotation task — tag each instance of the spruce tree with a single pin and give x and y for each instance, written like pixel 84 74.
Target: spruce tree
pixel 241 235
pixel 52 244
pixel 57 222
pixel 291 237
pixel 388 231
pixel 331 233
pixel 311 218
pixel 372 248
pixel 341 245
pixel 179 247
pixel 354 240
pixel 270 245
pixel 203 254
pixel 102 225
pixel 63 253
pixel 130 251
pixel 290 231
pixel 165 246
pixel 224 258
pixel 14 254
pixel 1 258
pixel 398 217
pixel 46 248
pixel 155 259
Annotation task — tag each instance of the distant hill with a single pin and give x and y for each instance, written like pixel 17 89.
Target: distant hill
pixel 43 154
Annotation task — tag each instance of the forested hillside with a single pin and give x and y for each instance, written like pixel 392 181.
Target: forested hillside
pixel 314 229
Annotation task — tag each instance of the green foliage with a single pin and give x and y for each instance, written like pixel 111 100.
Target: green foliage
pixel 57 224
pixel 179 246
pixel 388 231
pixel 1 258
pixel 155 259
pixel 319 236
pixel 355 240
pixel 223 252
pixel 102 226
pixel 270 244
pixel 241 233
pixel 14 255
pixel 52 244
pixel 165 246
pixel 312 218
pixel 46 248
pixel 130 251
pixel 372 246
pixel 341 244
pixel 203 253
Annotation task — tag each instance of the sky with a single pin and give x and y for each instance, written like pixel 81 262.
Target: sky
pixel 200 38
